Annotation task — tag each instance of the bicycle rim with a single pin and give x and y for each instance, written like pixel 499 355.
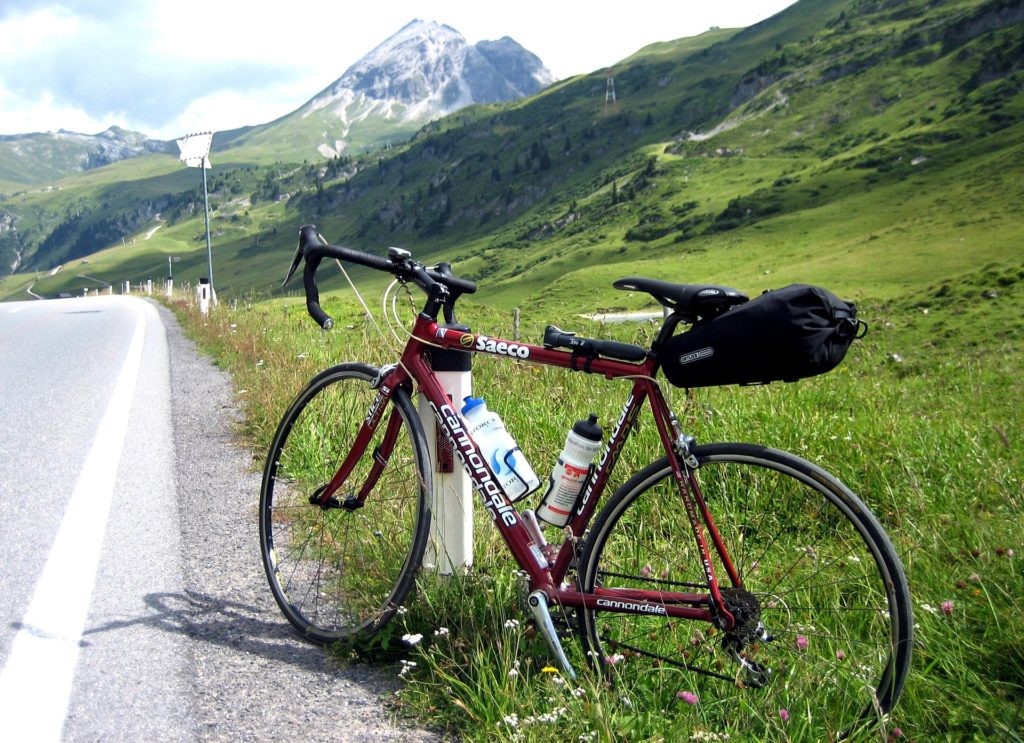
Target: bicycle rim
pixel 339 573
pixel 830 594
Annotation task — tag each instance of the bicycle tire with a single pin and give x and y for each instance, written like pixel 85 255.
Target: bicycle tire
pixel 341 574
pixel 830 588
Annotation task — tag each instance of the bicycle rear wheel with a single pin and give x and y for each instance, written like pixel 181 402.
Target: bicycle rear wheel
pixel 337 573
pixel 825 645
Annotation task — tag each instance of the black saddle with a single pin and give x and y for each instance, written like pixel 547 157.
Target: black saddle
pixel 690 302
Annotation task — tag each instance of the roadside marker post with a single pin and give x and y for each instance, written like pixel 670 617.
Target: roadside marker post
pixel 203 295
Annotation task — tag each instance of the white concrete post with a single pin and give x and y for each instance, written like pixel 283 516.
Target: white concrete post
pixel 450 546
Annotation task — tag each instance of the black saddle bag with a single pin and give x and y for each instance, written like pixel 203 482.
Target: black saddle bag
pixel 783 335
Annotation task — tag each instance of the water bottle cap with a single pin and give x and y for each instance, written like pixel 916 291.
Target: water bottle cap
pixel 471 403
pixel 588 429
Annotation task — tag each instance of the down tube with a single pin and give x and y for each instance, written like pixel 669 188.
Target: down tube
pixel 526 552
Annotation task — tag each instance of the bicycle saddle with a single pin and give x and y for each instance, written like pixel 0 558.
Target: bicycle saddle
pixel 691 302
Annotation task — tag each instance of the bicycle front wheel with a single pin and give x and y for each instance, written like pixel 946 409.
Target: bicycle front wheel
pixel 823 645
pixel 334 572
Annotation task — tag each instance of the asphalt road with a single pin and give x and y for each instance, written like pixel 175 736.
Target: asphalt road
pixel 133 605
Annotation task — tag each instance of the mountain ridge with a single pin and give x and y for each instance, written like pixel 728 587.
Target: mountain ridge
pixel 37 157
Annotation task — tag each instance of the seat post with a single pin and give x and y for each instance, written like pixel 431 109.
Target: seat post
pixel 667 329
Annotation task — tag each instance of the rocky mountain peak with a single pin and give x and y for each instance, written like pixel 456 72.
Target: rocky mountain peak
pixel 428 69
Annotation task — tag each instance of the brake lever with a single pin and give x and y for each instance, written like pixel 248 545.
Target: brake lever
pixel 296 260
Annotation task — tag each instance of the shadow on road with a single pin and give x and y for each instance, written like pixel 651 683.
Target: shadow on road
pixel 223 623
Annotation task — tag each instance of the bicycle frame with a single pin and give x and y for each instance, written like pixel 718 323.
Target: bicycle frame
pixel 544 575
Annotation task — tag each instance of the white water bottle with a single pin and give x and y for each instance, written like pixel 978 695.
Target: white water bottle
pixel 570 472
pixel 515 476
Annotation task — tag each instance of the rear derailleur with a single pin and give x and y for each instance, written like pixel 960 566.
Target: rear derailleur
pixel 747 632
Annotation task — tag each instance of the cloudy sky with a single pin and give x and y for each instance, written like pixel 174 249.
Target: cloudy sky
pixel 168 67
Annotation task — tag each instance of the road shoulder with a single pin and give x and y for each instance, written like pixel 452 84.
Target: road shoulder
pixel 252 677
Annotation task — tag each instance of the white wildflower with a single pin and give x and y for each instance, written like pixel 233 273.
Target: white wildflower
pixel 411 639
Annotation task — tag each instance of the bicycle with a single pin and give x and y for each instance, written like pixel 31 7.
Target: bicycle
pixel 750 568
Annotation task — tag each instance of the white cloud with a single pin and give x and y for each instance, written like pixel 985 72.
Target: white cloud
pixel 230 109
pixel 35 32
pixel 173 65
pixel 41 113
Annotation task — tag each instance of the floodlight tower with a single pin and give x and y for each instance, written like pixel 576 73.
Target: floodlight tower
pixel 195 153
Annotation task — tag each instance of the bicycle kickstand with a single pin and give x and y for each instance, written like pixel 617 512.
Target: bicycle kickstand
pixel 539 607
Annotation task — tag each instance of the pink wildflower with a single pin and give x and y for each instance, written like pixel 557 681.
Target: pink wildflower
pixel 784 714
pixel 801 642
pixel 840 655
pixel 947 607
pixel 687 696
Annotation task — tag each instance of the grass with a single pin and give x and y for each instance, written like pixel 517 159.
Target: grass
pixel 923 420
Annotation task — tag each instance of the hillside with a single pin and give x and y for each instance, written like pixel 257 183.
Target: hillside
pixel 861 143
pixel 858 143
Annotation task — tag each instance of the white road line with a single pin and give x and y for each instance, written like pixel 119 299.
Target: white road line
pixel 35 684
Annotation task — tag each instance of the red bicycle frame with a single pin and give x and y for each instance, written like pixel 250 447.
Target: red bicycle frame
pixel 548 576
